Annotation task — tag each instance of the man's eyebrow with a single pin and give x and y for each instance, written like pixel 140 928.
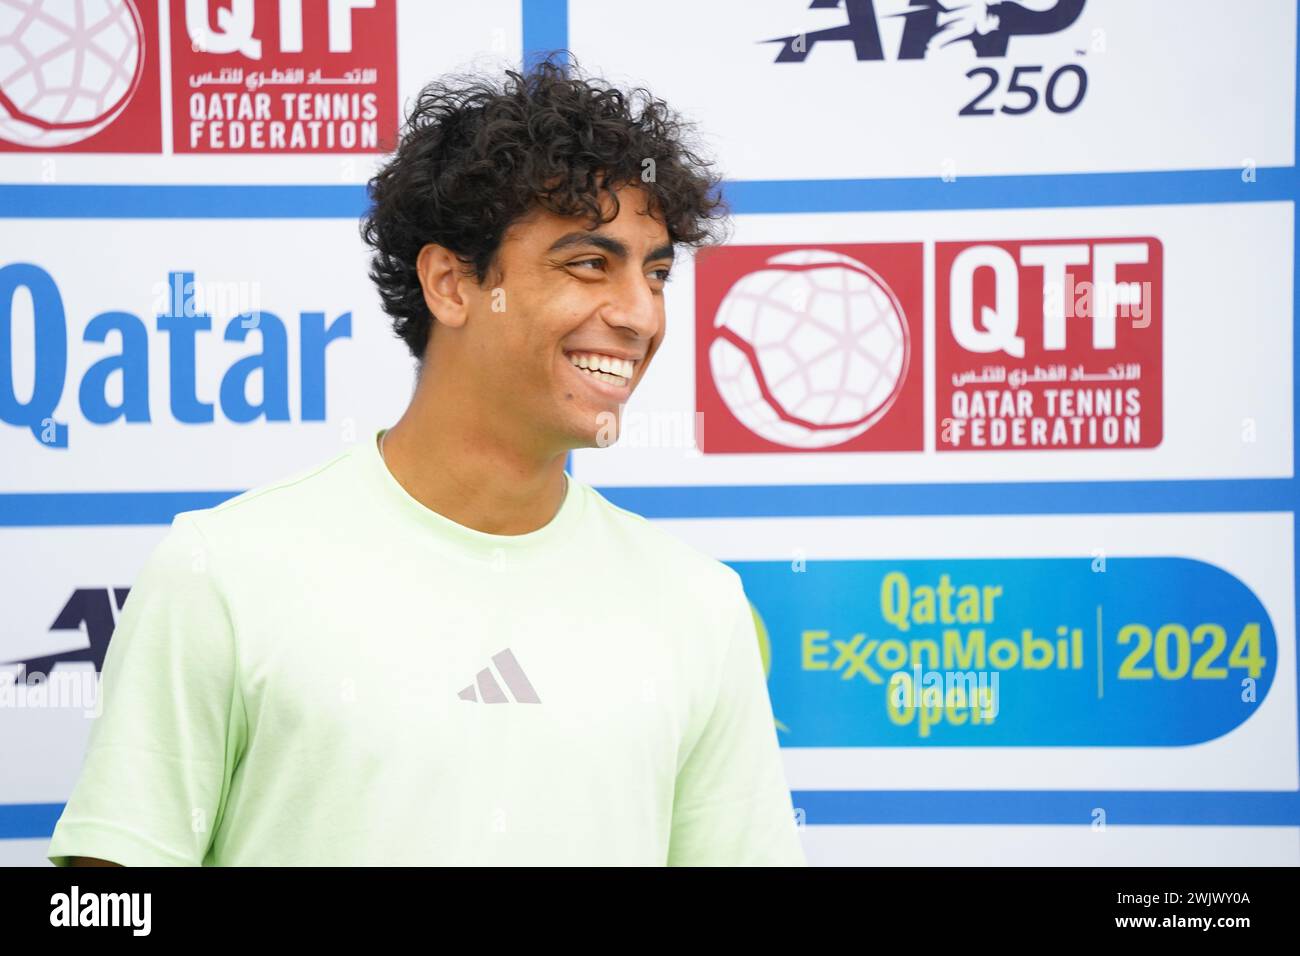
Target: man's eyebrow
pixel 615 247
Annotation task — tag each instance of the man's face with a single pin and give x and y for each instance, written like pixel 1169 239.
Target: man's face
pixel 568 297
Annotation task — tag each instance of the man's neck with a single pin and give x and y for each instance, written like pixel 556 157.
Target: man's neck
pixel 470 478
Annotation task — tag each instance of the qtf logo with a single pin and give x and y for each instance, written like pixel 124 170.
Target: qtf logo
pixel 69 70
pixel 275 76
pixel 809 349
pixel 1049 344
pixel 117 386
pixel 1046 344
pixel 246 76
pixel 920 28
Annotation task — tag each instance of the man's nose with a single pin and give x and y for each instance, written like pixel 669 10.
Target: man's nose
pixel 633 307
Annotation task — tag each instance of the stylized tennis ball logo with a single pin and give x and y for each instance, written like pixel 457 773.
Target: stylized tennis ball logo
pixel 764 646
pixel 67 69
pixel 764 650
pixel 810 351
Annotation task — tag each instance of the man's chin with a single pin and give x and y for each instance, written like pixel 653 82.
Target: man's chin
pixel 602 428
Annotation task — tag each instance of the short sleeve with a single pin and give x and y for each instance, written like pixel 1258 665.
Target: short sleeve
pixel 161 751
pixel 732 805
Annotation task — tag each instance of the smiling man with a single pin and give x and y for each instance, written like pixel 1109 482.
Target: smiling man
pixel 437 647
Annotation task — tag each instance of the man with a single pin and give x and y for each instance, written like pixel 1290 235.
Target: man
pixel 437 648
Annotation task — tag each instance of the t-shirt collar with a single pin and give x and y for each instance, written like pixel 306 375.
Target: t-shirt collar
pixel 559 530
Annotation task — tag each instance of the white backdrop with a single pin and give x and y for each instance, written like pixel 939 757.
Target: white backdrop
pixel 1075 125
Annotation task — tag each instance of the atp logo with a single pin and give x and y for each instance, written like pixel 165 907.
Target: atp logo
pixel 91 611
pixel 929 25
pixel 979 27
pixel 810 349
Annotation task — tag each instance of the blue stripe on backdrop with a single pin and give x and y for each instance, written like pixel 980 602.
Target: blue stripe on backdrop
pixel 754 501
pixel 1295 364
pixel 120 201
pixel 28 821
pixel 1010 192
pixel 33 821
pixel 101 508
pixel 1058 497
pixel 1295 288
pixel 1122 807
pixel 545 27
pixel 745 197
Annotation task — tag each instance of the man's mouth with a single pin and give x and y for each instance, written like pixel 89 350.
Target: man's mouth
pixel 604 368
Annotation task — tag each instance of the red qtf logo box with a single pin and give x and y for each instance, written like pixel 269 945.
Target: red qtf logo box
pixel 810 348
pixel 80 78
pixel 1048 344
pixel 247 76
pixel 283 76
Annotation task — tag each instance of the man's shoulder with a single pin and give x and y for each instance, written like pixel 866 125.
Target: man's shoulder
pixel 282 506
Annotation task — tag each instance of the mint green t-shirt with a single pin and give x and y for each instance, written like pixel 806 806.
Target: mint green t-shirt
pixel 324 671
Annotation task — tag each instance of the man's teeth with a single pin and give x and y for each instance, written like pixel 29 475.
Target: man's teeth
pixel 615 371
pixel 606 377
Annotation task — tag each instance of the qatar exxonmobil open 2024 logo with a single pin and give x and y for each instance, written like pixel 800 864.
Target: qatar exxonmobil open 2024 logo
pixel 1040 345
pixel 247 76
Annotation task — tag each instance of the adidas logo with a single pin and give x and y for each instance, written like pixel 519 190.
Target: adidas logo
pixel 490 692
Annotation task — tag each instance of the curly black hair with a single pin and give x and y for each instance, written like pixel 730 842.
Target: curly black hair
pixel 475 155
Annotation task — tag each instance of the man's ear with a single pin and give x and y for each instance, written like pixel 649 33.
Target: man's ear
pixel 442 278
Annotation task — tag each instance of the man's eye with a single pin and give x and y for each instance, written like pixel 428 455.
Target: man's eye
pixel 599 263
pixel 663 274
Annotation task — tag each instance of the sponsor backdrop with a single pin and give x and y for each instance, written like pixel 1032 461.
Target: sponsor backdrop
pixel 989 397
